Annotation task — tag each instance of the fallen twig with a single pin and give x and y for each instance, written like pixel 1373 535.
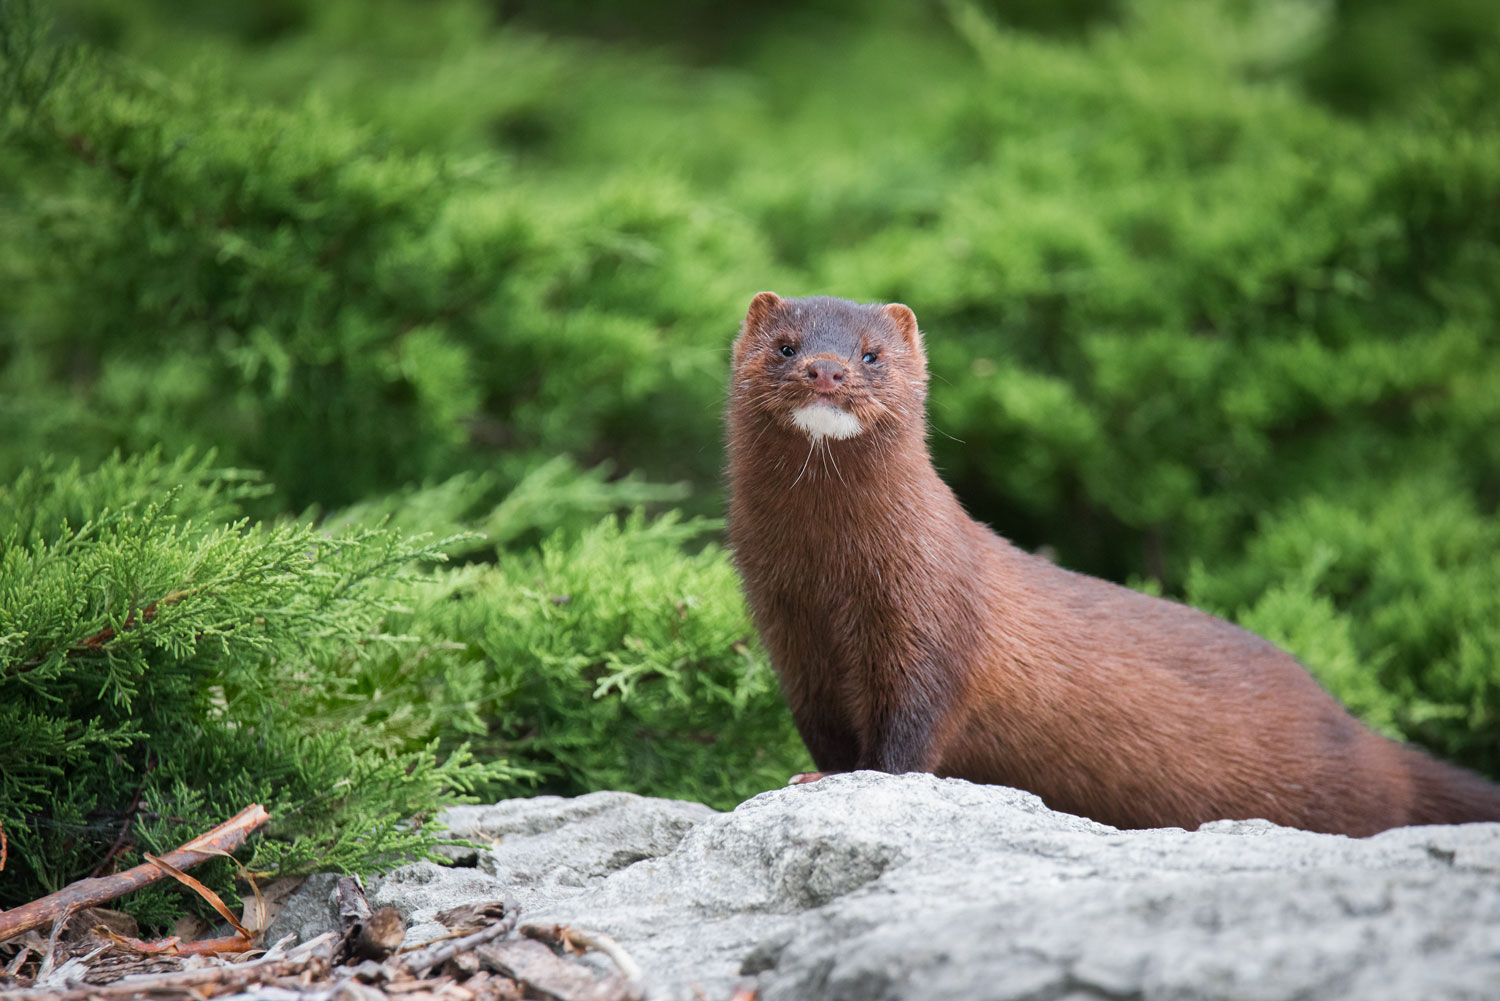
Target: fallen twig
pixel 324 944
pixel 578 940
pixel 185 982
pixel 174 946
pixel 50 956
pixel 72 970
pixel 546 976
pixel 98 890
pixel 148 613
pixel 422 960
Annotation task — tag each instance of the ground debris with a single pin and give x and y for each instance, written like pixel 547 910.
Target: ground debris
pixel 483 961
pixel 366 934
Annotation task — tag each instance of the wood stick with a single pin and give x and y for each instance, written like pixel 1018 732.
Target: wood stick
pixel 420 961
pixel 580 940
pixel 174 946
pixel 104 635
pixel 184 981
pixel 354 908
pixel 99 890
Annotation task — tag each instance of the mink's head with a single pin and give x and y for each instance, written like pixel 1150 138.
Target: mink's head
pixel 830 368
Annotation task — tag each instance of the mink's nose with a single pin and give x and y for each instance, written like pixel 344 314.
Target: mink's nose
pixel 825 374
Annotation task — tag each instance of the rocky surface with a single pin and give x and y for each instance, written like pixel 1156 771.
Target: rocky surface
pixel 868 887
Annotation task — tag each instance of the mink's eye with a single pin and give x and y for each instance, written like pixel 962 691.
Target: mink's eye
pixel 870 358
pixel 787 350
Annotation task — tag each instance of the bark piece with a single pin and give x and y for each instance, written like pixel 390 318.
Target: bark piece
pixel 469 918
pixel 545 974
pixel 422 960
pixel 366 935
pixel 98 890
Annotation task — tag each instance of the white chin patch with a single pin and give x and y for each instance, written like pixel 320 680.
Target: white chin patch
pixel 821 420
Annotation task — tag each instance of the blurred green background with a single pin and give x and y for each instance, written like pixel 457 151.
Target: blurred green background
pixel 1209 287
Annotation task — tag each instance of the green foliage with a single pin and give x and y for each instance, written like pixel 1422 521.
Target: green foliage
pixel 1380 53
pixel 347 315
pixel 162 668
pixel 1190 321
pixel 616 653
pixel 553 496
pixel 611 659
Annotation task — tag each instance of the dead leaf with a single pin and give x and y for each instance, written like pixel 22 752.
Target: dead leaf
pixel 274 897
pixel 254 919
pixel 213 898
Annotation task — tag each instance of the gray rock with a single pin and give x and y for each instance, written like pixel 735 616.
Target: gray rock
pixel 308 912
pixel 872 887
pixel 547 846
pixel 543 850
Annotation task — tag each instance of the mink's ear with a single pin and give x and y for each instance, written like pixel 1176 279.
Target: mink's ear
pixel 905 322
pixel 762 308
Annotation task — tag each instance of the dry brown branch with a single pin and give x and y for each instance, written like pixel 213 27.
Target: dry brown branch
pixel 185 982
pixel 230 944
pixel 547 976
pixel 424 959
pixel 139 946
pixel 148 613
pixel 106 634
pixel 98 890
pixel 174 946
pixel 577 940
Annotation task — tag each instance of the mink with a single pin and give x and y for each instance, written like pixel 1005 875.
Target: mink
pixel 909 637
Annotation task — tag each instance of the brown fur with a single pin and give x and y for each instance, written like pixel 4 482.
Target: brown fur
pixel 909 637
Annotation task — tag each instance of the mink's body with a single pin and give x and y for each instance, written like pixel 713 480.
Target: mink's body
pixel 909 637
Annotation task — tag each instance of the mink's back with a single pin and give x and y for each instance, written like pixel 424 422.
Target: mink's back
pixel 1140 711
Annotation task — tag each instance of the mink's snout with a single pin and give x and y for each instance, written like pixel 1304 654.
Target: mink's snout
pixel 825 374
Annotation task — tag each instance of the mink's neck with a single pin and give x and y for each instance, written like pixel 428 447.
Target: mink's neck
pixel 782 481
